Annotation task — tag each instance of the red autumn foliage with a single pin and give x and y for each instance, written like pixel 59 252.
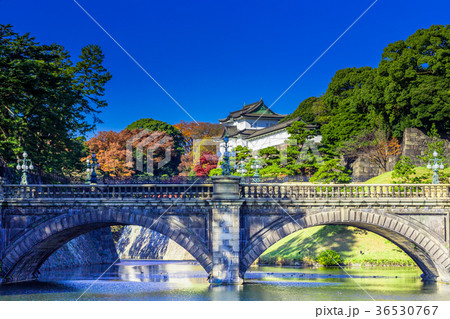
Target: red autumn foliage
pixel 208 161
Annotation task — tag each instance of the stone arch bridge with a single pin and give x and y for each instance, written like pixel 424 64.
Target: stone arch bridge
pixel 225 225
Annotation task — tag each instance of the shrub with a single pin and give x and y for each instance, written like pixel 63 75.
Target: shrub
pixel 403 170
pixel 329 258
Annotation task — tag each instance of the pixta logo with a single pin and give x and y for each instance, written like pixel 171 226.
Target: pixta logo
pixel 149 143
pixel 204 144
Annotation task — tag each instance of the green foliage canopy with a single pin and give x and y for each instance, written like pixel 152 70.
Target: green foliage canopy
pixel 332 172
pixel 46 101
pixel 403 171
pixel 304 110
pixel 345 113
pixel 152 125
pixel 411 86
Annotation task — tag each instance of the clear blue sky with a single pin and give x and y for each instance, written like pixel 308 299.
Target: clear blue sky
pixel 212 56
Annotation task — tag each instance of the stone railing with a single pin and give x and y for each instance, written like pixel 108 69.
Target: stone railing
pixel 150 191
pixel 206 191
pixel 344 191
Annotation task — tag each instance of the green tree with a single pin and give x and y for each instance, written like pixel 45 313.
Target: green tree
pixel 46 101
pixel 296 159
pixel 152 125
pixel 411 87
pixel 332 172
pixel 435 145
pixel 299 133
pixel 345 113
pixel 299 158
pixel 404 170
pixel 304 110
pixel 270 156
pixel 243 153
pixel 270 159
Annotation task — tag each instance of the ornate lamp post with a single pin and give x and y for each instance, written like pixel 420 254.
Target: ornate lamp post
pixel 437 165
pixel 226 166
pixel 241 169
pixel 24 165
pixel 256 165
pixel 90 170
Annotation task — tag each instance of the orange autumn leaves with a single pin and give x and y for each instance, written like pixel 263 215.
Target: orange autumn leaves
pixel 192 131
pixel 110 148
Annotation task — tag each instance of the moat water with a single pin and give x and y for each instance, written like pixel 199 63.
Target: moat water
pixel 184 280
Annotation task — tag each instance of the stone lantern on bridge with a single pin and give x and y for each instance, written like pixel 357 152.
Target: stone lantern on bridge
pixel 91 165
pixel 24 165
pixel 437 165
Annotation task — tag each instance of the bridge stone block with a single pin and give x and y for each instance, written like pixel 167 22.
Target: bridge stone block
pixel 434 250
pixel 442 256
pixel 162 226
pixel 267 242
pixel 53 227
pixel 419 239
pixel 408 231
pixel 225 231
pixel 427 244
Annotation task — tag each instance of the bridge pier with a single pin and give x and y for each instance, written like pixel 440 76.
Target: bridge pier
pixel 224 231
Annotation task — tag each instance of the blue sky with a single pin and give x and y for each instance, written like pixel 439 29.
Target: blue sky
pixel 212 56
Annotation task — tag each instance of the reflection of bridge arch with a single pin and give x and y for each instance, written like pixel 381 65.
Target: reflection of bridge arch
pixel 23 258
pixel 425 247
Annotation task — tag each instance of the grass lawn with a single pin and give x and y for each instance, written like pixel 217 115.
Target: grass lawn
pixel 386 178
pixel 355 246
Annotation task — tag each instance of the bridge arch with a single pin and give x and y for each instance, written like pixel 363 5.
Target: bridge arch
pixel 425 247
pixel 23 258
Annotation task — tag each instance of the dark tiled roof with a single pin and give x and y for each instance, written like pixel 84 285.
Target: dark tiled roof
pixel 278 127
pixel 249 109
pixel 246 132
pixel 265 115
pixel 230 130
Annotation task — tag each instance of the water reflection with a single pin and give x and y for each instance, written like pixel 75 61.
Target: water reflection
pixel 166 280
pixel 160 271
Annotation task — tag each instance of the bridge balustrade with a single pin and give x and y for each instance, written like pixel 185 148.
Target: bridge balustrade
pixel 205 191
pixel 344 191
pixel 150 191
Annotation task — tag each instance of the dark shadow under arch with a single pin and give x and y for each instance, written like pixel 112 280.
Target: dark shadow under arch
pixel 425 247
pixel 24 257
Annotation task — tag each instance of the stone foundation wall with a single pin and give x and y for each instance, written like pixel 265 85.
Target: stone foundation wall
pixel 414 144
pixel 142 243
pixel 95 247
pixel 363 170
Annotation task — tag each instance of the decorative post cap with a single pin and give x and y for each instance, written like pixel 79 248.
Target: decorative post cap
pixel 226 187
